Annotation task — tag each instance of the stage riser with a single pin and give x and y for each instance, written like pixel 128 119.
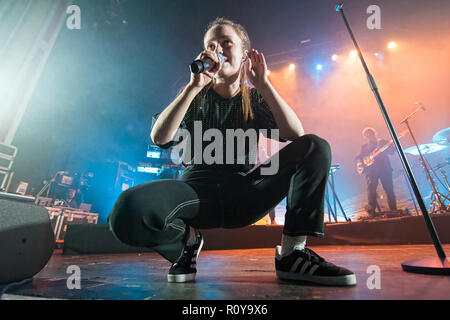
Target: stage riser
pixel 97 239
pixel 94 239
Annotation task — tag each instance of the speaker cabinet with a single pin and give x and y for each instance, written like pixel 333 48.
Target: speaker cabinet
pixel 26 239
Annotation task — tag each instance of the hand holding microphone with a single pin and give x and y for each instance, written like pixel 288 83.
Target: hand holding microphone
pixel 206 64
pixel 204 68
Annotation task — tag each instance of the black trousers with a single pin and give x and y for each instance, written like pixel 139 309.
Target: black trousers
pixel 385 177
pixel 156 214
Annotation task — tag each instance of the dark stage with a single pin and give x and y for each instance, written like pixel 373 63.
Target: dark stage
pixel 97 239
pixel 238 264
pixel 235 274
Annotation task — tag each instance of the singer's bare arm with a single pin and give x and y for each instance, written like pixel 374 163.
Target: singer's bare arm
pixel 287 121
pixel 169 120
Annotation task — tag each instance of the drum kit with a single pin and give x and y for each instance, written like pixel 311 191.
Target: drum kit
pixel 441 143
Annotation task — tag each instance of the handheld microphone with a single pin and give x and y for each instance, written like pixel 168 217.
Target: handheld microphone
pixel 201 65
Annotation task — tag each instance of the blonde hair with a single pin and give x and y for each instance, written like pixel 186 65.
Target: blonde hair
pixel 247 111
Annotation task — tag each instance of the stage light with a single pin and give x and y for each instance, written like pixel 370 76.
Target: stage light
pixel 319 67
pixel 379 55
pixel 353 53
pixel 334 57
pixel 291 66
pixel 392 45
pixel 147 169
pixel 153 154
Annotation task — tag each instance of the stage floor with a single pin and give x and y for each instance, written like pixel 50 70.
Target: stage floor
pixel 235 274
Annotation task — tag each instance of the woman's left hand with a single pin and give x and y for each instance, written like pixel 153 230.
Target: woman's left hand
pixel 256 68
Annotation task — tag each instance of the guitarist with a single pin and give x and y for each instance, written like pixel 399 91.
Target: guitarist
pixel 379 170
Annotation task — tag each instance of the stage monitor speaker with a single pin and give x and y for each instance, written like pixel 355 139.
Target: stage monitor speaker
pixel 26 239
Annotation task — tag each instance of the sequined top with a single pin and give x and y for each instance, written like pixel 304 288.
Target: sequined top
pixel 232 142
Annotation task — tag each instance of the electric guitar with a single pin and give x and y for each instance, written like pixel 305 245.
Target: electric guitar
pixel 370 159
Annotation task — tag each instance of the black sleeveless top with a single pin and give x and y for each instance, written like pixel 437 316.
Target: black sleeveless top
pixel 232 144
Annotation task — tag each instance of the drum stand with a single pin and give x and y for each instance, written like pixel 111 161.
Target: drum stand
pixel 437 203
pixel 335 198
pixel 438 199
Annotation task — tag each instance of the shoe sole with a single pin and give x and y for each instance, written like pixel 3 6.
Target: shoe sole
pixel 347 280
pixel 181 277
pixel 185 277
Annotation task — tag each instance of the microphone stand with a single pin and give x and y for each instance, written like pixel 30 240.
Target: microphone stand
pixel 441 265
pixel 46 188
pixel 411 114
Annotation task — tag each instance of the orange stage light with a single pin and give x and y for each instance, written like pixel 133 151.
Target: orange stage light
pixel 392 45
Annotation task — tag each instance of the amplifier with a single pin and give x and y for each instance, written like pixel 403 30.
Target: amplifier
pixel 61 217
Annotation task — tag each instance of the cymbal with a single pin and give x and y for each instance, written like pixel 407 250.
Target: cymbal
pixel 426 148
pixel 442 137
